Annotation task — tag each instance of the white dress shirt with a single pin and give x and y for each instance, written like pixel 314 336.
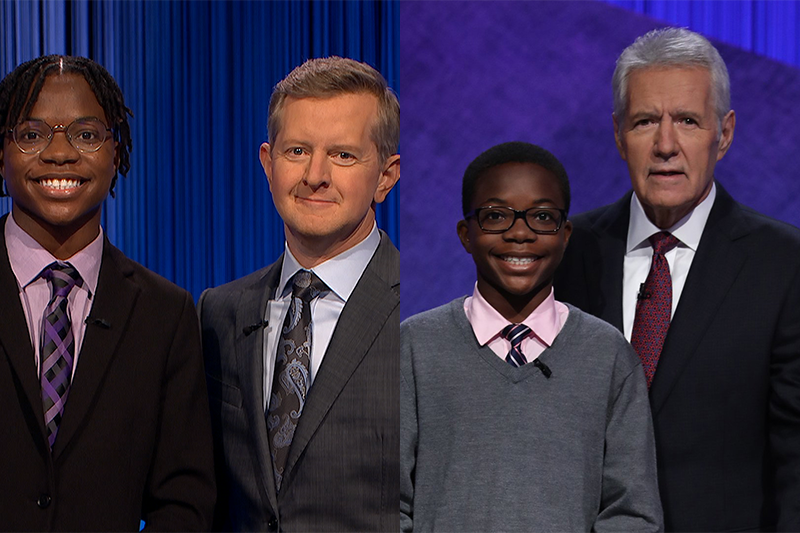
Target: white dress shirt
pixel 639 253
pixel 340 274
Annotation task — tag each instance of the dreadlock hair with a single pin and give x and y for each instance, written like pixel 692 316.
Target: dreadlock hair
pixel 20 90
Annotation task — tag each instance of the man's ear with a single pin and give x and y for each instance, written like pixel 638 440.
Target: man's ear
pixel 726 135
pixel 463 235
pixel 618 137
pixel 388 178
pixel 265 155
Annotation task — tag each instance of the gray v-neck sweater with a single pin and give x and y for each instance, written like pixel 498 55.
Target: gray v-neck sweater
pixel 489 447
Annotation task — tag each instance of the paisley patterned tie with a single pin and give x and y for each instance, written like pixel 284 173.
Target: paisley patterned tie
pixel 57 348
pixel 291 380
pixel 654 306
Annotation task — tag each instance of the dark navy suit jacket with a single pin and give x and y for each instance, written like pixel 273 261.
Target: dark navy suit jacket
pixel 726 393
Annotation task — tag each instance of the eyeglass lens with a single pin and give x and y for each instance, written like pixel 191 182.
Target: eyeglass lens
pixel 86 135
pixel 502 218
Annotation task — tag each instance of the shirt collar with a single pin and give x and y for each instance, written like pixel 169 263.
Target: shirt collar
pixel 340 273
pixel 488 323
pixel 688 230
pixel 28 258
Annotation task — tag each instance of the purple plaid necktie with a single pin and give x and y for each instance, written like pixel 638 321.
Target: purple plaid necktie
pixel 515 333
pixel 290 381
pixel 57 347
pixel 654 306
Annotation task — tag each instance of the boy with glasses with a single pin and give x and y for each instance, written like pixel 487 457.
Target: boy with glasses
pixel 518 412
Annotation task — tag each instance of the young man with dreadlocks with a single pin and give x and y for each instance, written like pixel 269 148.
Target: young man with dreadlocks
pixel 102 390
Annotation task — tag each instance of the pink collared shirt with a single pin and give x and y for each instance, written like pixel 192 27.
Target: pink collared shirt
pixel 28 258
pixel 545 322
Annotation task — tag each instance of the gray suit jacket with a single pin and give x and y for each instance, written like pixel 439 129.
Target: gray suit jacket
pixel 342 473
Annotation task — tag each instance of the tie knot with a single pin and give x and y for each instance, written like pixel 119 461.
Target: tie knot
pixel 514 333
pixel 663 242
pixel 62 279
pixel 306 285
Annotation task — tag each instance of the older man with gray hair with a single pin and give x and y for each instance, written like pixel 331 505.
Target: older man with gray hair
pixel 706 290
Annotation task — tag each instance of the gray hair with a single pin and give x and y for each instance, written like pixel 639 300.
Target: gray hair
pixel 672 47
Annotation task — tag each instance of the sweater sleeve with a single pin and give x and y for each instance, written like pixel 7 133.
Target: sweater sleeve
pixel 630 500
pixel 408 431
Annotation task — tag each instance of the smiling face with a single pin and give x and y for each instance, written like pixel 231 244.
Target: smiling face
pixel 324 173
pixel 671 140
pixel 515 268
pixel 57 193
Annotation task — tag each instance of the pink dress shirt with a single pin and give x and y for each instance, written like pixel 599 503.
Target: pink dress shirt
pixel 28 258
pixel 545 322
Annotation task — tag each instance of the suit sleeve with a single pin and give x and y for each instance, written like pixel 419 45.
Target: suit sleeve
pixel 408 433
pixel 630 500
pixel 211 357
pixel 180 490
pixel 784 409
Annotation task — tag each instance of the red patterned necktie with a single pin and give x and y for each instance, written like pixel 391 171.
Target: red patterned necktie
pixel 654 306
pixel 57 347
pixel 291 380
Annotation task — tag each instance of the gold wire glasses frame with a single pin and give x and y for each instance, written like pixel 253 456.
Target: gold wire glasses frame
pixel 543 220
pixel 86 135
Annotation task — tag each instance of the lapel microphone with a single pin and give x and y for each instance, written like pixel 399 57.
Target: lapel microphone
pixel 643 295
pixel 254 327
pixel 103 323
pixel 543 367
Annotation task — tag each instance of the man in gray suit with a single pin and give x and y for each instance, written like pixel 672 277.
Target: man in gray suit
pixel 302 357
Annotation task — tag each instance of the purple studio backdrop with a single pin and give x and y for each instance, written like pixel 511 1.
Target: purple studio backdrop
pixel 475 74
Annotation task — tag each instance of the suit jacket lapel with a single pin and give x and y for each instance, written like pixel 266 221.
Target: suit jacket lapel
pixel 612 229
pixel 374 299
pixel 250 366
pixel 16 342
pixel 114 302
pixel 716 259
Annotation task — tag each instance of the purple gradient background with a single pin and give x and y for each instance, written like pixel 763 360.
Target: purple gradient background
pixel 474 74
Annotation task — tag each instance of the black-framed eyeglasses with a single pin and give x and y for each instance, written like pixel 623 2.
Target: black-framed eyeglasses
pixel 498 219
pixel 86 135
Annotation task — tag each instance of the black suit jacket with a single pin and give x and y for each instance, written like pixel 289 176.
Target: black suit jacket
pixel 135 439
pixel 342 473
pixel 726 393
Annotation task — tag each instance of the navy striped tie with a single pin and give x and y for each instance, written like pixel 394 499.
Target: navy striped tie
pixel 515 333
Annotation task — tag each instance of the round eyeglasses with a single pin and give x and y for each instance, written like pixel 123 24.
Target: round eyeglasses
pixel 498 219
pixel 86 135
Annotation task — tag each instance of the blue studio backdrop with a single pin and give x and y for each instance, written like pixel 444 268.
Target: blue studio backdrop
pixel 195 206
